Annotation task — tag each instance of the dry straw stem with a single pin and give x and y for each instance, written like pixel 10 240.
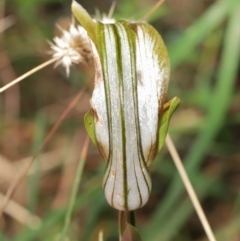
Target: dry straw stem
pixel 100 235
pixel 20 214
pixel 32 71
pixel 19 177
pixel 49 161
pixel 189 187
pixel 6 170
pixel 76 184
pixel 69 171
pixel 6 23
pixel 112 8
pixel 154 8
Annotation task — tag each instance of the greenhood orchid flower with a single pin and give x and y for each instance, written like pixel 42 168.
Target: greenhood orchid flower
pixel 128 120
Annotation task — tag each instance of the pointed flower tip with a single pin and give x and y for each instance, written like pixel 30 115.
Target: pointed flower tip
pixel 85 19
pixel 74 5
pixel 79 12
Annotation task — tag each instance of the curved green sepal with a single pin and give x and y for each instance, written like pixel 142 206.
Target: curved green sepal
pixel 84 18
pixel 89 125
pixel 131 234
pixel 168 110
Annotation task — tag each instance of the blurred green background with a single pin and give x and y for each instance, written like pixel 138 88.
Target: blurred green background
pixel 203 38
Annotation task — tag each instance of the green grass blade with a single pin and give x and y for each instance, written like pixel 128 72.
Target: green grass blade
pixel 74 190
pixel 177 219
pixel 216 115
pixel 199 30
pixel 92 192
pixel 93 216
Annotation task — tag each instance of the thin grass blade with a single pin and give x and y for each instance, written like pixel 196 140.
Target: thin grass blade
pixel 73 196
pixel 216 114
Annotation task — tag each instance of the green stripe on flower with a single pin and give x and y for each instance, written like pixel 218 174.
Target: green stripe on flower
pixel 132 73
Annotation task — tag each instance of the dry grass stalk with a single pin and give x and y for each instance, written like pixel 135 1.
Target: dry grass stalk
pixel 21 214
pixel 189 188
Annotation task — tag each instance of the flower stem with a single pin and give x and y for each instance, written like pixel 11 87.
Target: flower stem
pixel 32 71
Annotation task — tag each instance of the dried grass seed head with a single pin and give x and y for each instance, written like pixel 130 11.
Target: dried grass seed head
pixel 73 47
